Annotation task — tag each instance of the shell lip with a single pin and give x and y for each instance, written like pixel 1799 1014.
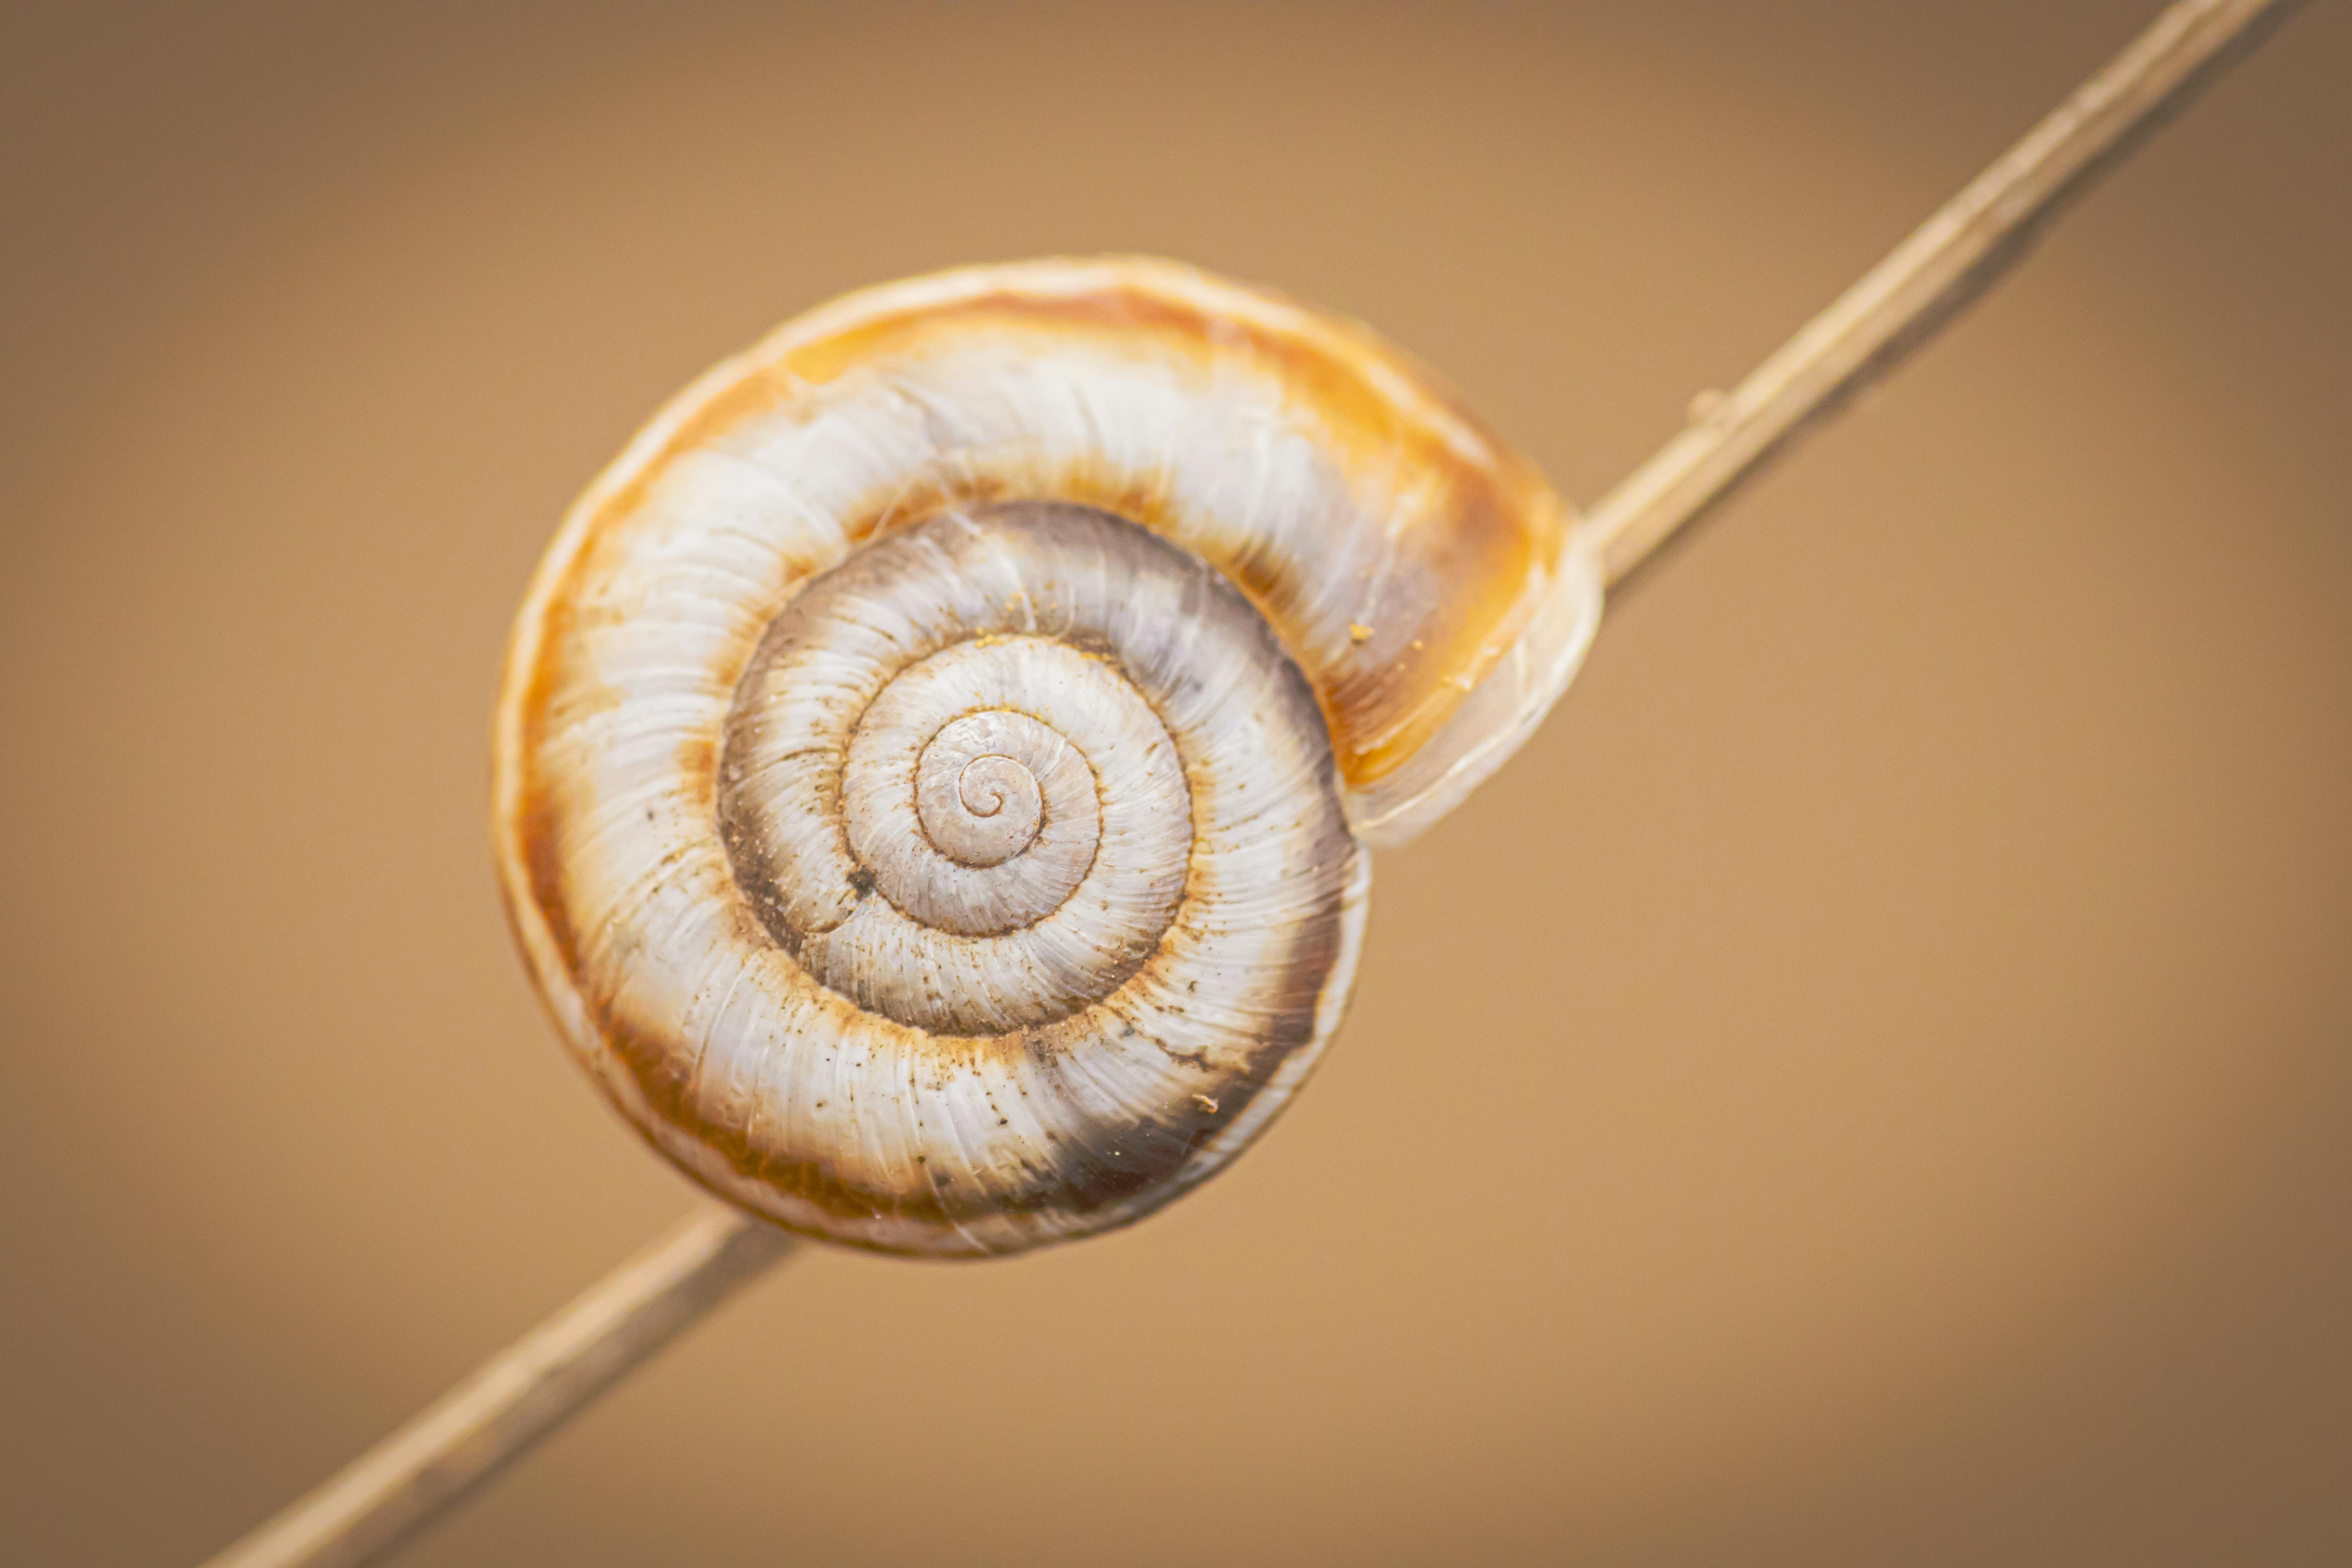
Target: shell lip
pixel 1532 675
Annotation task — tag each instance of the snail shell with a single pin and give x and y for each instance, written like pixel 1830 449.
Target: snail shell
pixel 936 764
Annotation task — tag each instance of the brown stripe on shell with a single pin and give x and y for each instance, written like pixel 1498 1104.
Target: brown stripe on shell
pixel 1387 694
pixel 1496 526
pixel 1085 1181
pixel 1085 1184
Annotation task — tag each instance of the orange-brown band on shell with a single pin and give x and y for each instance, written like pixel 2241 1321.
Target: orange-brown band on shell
pixel 1476 549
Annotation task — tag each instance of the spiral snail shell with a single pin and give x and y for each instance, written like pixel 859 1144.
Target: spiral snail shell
pixel 936 764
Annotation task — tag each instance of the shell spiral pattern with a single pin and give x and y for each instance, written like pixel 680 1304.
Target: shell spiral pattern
pixel 936 764
pixel 974 772
pixel 962 776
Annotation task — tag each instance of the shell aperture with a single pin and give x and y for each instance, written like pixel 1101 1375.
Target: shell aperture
pixel 936 763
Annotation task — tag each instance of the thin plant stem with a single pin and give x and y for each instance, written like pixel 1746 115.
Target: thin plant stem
pixel 1946 263
pixel 519 1397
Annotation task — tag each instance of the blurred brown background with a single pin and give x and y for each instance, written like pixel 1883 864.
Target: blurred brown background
pixel 1870 1084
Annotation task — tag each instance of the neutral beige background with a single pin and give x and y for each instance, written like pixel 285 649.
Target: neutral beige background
pixel 1871 1083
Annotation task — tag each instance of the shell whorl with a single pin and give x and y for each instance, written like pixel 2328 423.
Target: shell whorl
pixel 935 763
pixel 972 771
